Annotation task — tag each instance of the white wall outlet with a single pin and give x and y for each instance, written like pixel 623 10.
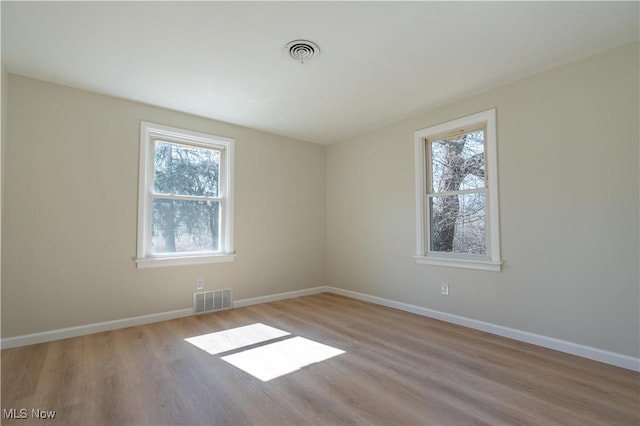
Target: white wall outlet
pixel 444 289
pixel 199 284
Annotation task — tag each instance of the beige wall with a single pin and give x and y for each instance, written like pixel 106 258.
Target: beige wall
pixel 568 167
pixel 69 217
pixel 3 139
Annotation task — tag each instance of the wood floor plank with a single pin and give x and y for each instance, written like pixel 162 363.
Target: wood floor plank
pixel 397 368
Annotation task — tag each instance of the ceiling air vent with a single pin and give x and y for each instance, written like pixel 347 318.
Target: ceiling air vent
pixel 302 50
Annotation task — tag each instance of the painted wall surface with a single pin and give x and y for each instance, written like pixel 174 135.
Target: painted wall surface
pixel 3 138
pixel 568 167
pixel 70 213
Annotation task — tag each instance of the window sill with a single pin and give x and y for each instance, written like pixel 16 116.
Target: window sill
pixel 153 262
pixel 480 265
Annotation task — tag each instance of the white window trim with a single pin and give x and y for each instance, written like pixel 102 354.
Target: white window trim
pixel 492 261
pixel 148 133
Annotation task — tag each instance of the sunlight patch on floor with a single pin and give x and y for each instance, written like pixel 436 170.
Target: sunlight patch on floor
pixel 277 359
pixel 235 338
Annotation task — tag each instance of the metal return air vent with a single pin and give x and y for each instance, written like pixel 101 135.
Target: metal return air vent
pixel 211 301
pixel 302 50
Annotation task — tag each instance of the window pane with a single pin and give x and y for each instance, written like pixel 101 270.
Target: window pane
pixel 458 224
pixel 185 170
pixel 458 163
pixel 185 226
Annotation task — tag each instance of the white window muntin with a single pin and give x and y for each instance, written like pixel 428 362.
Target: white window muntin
pixel 150 133
pixel 492 260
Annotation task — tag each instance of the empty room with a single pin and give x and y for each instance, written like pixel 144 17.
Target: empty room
pixel 320 213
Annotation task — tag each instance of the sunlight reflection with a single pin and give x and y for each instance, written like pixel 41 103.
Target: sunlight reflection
pixel 235 338
pixel 277 359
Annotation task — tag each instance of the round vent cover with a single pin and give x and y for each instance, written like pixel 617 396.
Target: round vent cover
pixel 302 50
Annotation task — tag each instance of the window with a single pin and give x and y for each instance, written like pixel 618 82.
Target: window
pixel 457 194
pixel 185 197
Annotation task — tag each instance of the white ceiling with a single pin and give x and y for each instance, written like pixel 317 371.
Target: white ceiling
pixel 379 62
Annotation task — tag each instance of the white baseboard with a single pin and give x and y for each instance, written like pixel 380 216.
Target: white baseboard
pixel 612 358
pixel 82 330
pixel 279 296
pixel 588 352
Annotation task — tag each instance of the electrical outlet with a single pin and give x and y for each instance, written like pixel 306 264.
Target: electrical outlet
pixel 199 284
pixel 444 289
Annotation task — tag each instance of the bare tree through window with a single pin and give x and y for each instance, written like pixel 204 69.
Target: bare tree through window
pixel 185 197
pixel 457 194
pixel 457 206
pixel 186 211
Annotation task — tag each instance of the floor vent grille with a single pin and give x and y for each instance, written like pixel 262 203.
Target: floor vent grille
pixel 211 301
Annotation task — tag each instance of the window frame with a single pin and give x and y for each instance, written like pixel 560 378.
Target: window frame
pixel 149 134
pixel 492 261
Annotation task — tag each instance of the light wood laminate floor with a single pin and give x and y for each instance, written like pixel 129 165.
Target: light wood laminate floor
pixel 398 368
